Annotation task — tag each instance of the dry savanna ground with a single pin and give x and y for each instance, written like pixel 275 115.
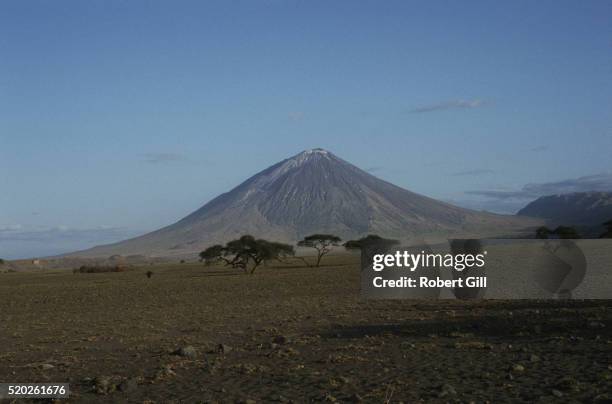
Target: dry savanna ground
pixel 292 334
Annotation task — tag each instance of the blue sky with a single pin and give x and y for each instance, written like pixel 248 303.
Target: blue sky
pixel 118 117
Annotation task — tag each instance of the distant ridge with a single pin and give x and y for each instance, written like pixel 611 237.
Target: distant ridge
pixel 578 209
pixel 314 191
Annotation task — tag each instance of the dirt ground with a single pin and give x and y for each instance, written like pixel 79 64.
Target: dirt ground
pixel 292 334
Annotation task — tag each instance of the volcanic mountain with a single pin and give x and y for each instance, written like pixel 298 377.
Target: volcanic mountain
pixel 314 192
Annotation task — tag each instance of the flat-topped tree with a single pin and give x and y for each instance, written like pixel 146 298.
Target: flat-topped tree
pixel 212 254
pixel 543 232
pixel 246 253
pixel 323 243
pixel 369 246
pixel 370 241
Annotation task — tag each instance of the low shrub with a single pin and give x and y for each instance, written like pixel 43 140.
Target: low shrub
pixel 92 269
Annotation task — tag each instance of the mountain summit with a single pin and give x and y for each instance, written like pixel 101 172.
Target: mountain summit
pixel 313 192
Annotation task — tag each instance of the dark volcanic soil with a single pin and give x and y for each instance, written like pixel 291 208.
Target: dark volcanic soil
pixel 292 335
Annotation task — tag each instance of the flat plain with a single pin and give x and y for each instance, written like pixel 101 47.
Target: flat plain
pixel 291 333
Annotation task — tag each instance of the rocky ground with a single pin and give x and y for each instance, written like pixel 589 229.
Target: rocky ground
pixel 292 334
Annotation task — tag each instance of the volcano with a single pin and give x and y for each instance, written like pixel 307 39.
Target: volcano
pixel 314 192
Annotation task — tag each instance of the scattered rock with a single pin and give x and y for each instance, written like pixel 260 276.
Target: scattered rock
pixel 164 372
pixel 355 398
pixel 518 368
pixel 472 345
pixel 103 385
pixel 223 349
pixel 602 398
pixel 344 380
pixel 568 383
pixel 557 393
pixel 46 366
pixel 447 390
pixel 534 358
pixel 128 385
pixel 457 334
pixel 187 352
pixel 280 339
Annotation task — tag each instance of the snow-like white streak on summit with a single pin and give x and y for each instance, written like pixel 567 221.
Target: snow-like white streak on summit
pixel 307 156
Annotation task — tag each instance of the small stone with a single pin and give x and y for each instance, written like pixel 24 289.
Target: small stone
pixel 222 348
pixel 103 385
pixel 568 383
pixel 47 366
pixel 344 379
pixel 602 398
pixel 164 372
pixel 557 393
pixel 355 398
pixel 472 345
pixel 518 368
pixel 128 385
pixel 534 358
pixel 447 390
pixel 280 339
pixel 187 352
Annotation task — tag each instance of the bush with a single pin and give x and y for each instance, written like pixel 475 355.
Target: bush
pixel 92 269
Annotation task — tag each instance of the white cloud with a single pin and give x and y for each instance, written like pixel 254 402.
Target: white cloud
pixel 162 158
pixel 446 105
pixel 597 182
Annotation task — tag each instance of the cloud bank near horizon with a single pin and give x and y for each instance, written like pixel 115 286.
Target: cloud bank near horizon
pixel 588 183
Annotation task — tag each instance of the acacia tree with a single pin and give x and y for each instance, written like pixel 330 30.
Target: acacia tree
pixel 562 232
pixel 543 232
pixel 369 246
pixel 323 243
pixel 371 241
pixel 246 253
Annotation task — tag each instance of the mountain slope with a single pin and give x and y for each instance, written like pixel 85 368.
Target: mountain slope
pixel 313 191
pixel 580 208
